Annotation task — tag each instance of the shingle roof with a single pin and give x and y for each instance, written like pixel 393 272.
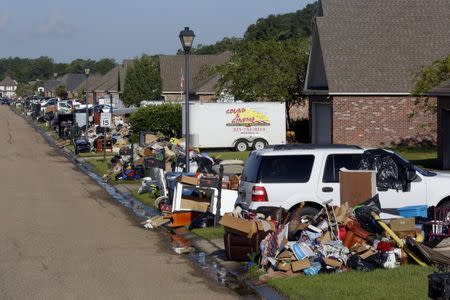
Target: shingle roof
pixel 7 81
pixel 113 81
pixel 441 90
pixel 376 46
pixel 171 68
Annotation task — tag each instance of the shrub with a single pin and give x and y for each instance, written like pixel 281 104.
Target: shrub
pixel 164 118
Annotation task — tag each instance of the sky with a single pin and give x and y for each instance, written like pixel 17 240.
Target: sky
pixel 70 29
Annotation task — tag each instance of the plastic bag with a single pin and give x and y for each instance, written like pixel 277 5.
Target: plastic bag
pixel 364 216
pixel 357 263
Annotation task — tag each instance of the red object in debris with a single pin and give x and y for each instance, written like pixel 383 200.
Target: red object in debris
pixel 355 234
pixel 342 233
pixel 385 246
pixel 259 194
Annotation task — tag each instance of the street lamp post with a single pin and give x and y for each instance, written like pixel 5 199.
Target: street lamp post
pixel 54 77
pixel 187 38
pixel 86 72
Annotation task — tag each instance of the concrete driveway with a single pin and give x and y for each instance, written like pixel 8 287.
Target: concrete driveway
pixel 61 237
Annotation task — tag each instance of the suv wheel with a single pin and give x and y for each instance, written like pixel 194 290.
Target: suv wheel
pixel 259 144
pixel 241 146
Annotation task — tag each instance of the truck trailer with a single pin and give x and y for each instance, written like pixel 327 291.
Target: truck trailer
pixel 238 125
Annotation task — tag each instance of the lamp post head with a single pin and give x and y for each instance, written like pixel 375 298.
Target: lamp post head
pixel 187 39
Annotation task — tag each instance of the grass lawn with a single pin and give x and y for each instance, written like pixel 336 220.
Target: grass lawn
pixel 146 198
pixel 229 154
pixel 406 282
pixel 210 233
pixel 421 156
pixel 99 166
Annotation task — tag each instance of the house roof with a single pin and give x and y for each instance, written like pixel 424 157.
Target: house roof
pixel 172 66
pixel 7 81
pixel 441 90
pixel 113 81
pixel 376 46
pixel 71 81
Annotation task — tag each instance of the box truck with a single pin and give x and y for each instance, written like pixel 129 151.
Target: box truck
pixel 238 125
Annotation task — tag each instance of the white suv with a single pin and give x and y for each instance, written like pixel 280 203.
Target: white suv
pixel 286 175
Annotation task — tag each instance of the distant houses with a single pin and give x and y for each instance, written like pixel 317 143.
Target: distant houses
pixel 8 87
pixel 202 80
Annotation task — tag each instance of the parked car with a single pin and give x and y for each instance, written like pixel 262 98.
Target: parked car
pixel 286 175
pixel 5 101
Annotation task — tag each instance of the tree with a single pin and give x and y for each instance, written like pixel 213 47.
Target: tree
pixel 103 66
pixel 267 71
pixel 427 78
pixel 284 26
pixel 61 91
pixel 226 44
pixel 142 81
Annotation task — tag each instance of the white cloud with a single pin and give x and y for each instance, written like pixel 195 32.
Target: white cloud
pixel 55 25
pixel 4 19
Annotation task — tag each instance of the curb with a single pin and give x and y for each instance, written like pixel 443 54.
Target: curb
pixel 142 211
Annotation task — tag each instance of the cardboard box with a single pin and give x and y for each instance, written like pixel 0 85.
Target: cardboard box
pixel 189 180
pixel 332 262
pixel 238 226
pixel 403 224
pixel 356 186
pixel 300 265
pixel 195 204
pixel 284 266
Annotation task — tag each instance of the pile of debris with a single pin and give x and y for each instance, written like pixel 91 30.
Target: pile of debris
pixel 334 240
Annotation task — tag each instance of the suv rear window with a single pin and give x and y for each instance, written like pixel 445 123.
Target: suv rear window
pixel 286 169
pixel 250 172
pixel 335 162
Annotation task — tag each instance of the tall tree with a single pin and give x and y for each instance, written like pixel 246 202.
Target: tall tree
pixel 103 66
pixel 427 78
pixel 267 71
pixel 283 26
pixel 142 81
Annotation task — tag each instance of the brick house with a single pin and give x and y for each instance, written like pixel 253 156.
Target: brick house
pixel 8 87
pixel 442 93
pixel 201 84
pixel 112 82
pixel 71 81
pixel 364 55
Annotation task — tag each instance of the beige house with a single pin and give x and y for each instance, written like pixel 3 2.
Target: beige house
pixel 8 87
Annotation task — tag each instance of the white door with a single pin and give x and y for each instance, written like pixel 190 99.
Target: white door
pixel 395 199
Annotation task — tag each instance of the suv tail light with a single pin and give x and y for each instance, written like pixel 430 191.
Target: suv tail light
pixel 259 194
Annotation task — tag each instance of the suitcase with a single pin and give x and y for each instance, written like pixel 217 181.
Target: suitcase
pixel 238 248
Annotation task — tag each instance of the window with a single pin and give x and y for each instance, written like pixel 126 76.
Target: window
pixel 286 169
pixel 250 172
pixel 337 161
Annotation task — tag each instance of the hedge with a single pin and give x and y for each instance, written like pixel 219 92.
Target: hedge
pixel 164 118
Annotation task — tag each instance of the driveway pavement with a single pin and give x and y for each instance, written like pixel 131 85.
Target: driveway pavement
pixel 61 237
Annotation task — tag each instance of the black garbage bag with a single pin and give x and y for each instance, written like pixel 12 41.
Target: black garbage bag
pixel 364 215
pixel 357 263
pixel 391 170
pixel 378 259
pixel 205 220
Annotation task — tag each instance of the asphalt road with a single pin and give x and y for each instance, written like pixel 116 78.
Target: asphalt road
pixel 61 237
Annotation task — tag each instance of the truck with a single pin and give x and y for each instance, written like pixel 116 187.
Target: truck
pixel 238 125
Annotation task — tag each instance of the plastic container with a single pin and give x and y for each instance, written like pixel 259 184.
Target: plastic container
pixel 413 211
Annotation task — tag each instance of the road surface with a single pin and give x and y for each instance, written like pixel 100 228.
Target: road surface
pixel 61 237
